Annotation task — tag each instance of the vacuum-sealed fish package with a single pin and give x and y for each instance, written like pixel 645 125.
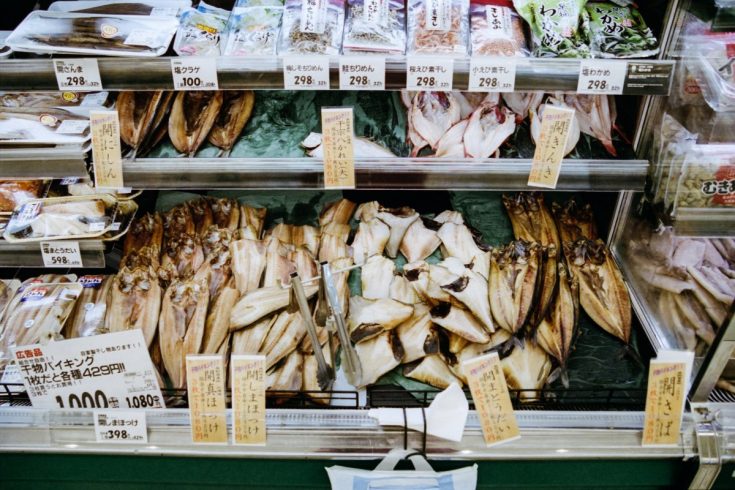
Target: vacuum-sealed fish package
pixel 438 27
pixel 42 126
pixel 559 28
pixel 496 29
pixel 156 8
pixel 313 31
pixel 375 26
pixel 13 193
pixel 253 28
pixel 619 32
pixel 88 317
pixel 54 99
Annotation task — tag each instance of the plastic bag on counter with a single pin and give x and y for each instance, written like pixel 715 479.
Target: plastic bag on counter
pixel 712 64
pixel 438 27
pixel 164 8
pixel 112 35
pixel 200 31
pixel 54 99
pixel 253 28
pixel 707 177
pixel 559 28
pixel 42 126
pixel 88 317
pixel 496 29
pixel 14 193
pixel 62 217
pixel 317 33
pixel 375 26
pixel 619 32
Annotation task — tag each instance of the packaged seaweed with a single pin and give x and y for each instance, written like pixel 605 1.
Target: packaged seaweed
pixel 619 32
pixel 314 31
pixel 559 28
pixel 200 31
pixel 438 27
pixel 253 28
pixel 496 29
pixel 375 27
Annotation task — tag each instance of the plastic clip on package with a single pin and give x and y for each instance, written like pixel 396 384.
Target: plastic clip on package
pixel 375 26
pixel 559 28
pixel 112 35
pixel 317 30
pixel 496 29
pixel 253 28
pixel 200 31
pixel 619 32
pixel 438 27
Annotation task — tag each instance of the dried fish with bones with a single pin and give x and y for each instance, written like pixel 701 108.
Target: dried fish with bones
pixel 232 118
pixel 192 117
pixel 513 273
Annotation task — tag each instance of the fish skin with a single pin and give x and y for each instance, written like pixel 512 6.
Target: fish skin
pixel 398 220
pixel 339 212
pixel 371 238
pixel 135 302
pixel 460 323
pixel 192 116
pixel 283 338
pixel 254 305
pixel 369 318
pixel 225 213
pixel 432 370
pixel 158 128
pixel 251 222
pixel 378 356
pixel 419 242
pixel 146 231
pixel 250 339
pixel 376 277
pixel 237 106
pixel 217 326
pixel 248 263
pixel 136 111
pixel 513 275
pixel 487 129
pixel 546 285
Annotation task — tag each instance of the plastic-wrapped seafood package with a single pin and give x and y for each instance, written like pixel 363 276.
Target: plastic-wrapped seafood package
pixel 559 28
pixel 707 177
pixel 62 217
pixel 113 35
pixel 375 27
pixel 42 126
pixel 320 33
pixel 54 99
pixel 619 32
pixel 710 63
pixel 88 317
pixel 253 28
pixel 14 193
pixel 122 7
pixel 438 27
pixel 672 142
pixel 496 29
pixel 200 31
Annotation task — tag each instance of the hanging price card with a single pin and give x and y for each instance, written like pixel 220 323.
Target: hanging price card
pixel 306 73
pixel 668 377
pixel 120 427
pixel 492 401
pixel 61 254
pixel 248 399
pixel 492 75
pixel 424 73
pixel 551 147
pixel 337 141
pixel 205 377
pixel 80 74
pixel 106 154
pixel 602 77
pixel 362 73
pixel 194 73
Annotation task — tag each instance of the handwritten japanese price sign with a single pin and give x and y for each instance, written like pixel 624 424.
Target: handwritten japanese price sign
pixel 602 77
pixel 424 73
pixel 306 73
pixel 112 370
pixel 248 399
pixel 362 73
pixel 206 382
pixel 106 154
pixel 550 149
pixel 664 402
pixel 194 73
pixel 80 74
pixel 120 427
pixel 61 254
pixel 488 74
pixel 339 156
pixel 492 401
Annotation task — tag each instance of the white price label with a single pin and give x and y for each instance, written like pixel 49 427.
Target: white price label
pixel 602 77
pixel 492 75
pixel 362 73
pixel 73 126
pixel 120 427
pixel 429 74
pixel 61 254
pixel 193 73
pixel 306 73
pixel 112 370
pixel 80 74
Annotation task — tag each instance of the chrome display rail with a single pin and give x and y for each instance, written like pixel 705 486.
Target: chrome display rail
pixel 28 254
pixel 42 163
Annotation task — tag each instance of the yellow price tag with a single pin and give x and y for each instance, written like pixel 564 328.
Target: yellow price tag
pixel 106 153
pixel 337 141
pixel 664 403
pixel 248 399
pixel 492 401
pixel 550 148
pixel 206 389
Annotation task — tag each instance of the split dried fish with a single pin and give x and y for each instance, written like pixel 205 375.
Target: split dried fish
pixel 488 128
pixel 460 322
pixel 192 117
pixel 558 327
pixel 574 221
pixel 431 115
pixel 457 241
pixel 283 338
pixel 526 368
pixel 201 213
pixel 417 335
pixel 545 285
pixel 252 221
pixel 332 248
pixel 135 302
pixel 371 238
pixel 451 144
pixel 178 220
pixel 378 356
pixel 431 370
pixel 513 274
pixel 537 117
pixel 304 263
pixel 401 290
pixel 146 231
pixel 450 216
pixel 596 116
pixel 369 318
pixel 216 239
pixel 531 219
pixel 185 253
pixel 278 267
pixel 308 237
pixel 376 277
pixel 88 317
pixel 398 220
pixel 237 106
pixel 288 376
pixel 248 263
pixel 217 326
pixel 337 212
pixel 250 339
pixel 257 304
pixel 225 213
pixel 420 241
pixel 216 270
pixel 367 211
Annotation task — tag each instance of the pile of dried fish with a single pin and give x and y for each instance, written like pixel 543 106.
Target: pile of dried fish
pixel 189 118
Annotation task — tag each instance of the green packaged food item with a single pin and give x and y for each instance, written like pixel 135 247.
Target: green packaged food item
pixel 619 32
pixel 559 28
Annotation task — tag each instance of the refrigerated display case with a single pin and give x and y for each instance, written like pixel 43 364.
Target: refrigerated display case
pixel 643 166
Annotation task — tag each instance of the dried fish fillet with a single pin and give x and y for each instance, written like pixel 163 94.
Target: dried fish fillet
pixel 185 253
pixel 288 376
pixel 284 337
pixel 252 221
pixel 472 290
pixel 401 290
pixel 308 237
pixel 217 326
pixel 146 231
pixel 460 322
pixel 250 339
pixel 574 221
pixel 201 213
pixel 278 267
pixel 192 117
pixel 513 274
pixel 371 238
pixel 419 241
pixel 88 317
pixel 225 213
pixel 418 336
pixel 337 212
pixel 557 329
pixel 398 220
pixel 248 263
pixel 376 277
pixel 237 106
pixel 369 318
pixel 378 356
pixel 137 111
pixel 135 302
pixel 432 370
pixel 257 304
pixel 531 219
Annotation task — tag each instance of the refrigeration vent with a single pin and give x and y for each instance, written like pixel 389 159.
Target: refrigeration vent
pixel 721 396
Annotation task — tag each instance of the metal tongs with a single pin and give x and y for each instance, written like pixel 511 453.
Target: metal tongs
pixel 352 367
pixel 324 373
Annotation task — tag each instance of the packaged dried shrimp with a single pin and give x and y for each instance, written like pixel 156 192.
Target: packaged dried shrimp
pixel 496 29
pixel 438 27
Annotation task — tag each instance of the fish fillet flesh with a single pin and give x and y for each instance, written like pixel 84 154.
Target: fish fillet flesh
pixel 378 356
pixel 135 302
pixel 371 239
pixel 376 277
pixel 254 305
pixel 369 318
pixel 432 370
pixel 248 263
pixel 419 241
pixel 398 220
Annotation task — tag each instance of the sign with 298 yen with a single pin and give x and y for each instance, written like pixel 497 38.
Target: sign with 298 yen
pixel 112 370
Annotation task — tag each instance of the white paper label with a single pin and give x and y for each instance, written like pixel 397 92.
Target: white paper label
pixel 120 427
pixel 164 12
pixel 142 37
pixel 362 73
pixel 306 73
pixel 374 11
pixel 602 77
pixel 11 376
pixel 492 75
pixel 71 126
pixel 194 73
pixel 429 74
pixel 97 99
pixel 111 370
pixel 80 74
pixel 499 22
pixel 61 254
pixel 313 16
pixel 438 15
pixel 96 226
